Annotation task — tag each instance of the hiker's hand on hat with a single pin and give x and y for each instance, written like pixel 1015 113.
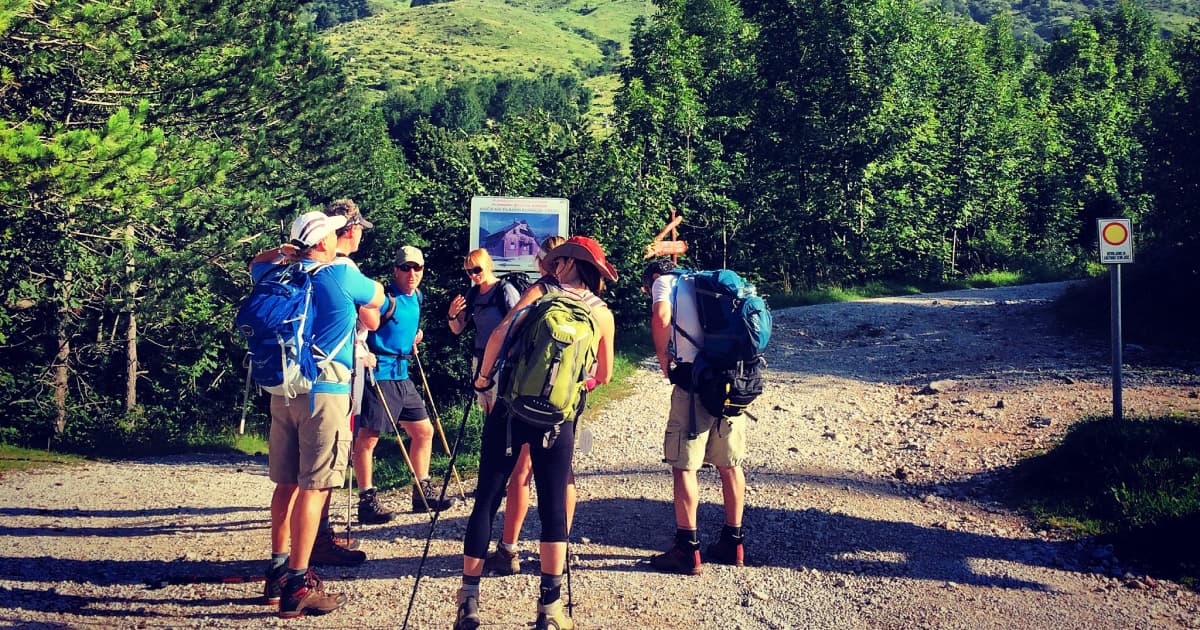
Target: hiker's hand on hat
pixel 482 383
pixel 289 252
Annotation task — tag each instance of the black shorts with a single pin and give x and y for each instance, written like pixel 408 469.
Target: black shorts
pixel 403 401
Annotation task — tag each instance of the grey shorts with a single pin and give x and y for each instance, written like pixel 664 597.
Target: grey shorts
pixel 400 398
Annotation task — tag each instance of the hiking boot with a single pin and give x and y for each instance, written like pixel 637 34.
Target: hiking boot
pixel 431 497
pixel 308 598
pixel 502 562
pixel 553 616
pixel 727 551
pixel 273 586
pixel 369 510
pixel 676 560
pixel 468 612
pixel 326 552
pixel 348 543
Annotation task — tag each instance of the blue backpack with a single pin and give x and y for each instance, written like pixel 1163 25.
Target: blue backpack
pixel 277 321
pixel 736 322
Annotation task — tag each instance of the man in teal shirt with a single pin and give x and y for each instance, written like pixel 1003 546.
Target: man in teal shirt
pixel 394 396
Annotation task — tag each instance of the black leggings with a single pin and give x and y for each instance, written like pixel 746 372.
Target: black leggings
pixel 551 469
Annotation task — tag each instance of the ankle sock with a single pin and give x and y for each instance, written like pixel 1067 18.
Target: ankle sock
pixel 295 578
pixel 278 561
pixel 551 588
pixel 687 539
pixel 732 533
pixel 471 581
pixel 512 549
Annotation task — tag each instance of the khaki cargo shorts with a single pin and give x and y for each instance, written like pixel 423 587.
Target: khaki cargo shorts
pixel 310 440
pixel 720 443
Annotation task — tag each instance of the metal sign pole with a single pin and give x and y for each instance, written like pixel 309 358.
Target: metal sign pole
pixel 1115 298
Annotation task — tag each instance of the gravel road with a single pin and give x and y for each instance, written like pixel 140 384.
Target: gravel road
pixel 883 424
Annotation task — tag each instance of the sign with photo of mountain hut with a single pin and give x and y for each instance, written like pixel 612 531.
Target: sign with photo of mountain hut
pixel 511 229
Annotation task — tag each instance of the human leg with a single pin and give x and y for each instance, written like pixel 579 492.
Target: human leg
pixel 494 469
pixel 685 456
pixel 364 457
pixel 324 441
pixel 283 466
pixel 552 470
pixel 726 450
pixel 506 560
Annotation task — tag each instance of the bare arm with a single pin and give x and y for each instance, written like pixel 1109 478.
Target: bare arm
pixel 604 360
pixel 660 331
pixel 368 314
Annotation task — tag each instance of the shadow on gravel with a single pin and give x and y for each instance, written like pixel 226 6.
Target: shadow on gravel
pixel 813 539
pixel 108 611
pixel 176 524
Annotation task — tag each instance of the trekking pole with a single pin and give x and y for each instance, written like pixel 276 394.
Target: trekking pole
pixel 403 451
pixel 350 480
pixel 437 422
pixel 433 522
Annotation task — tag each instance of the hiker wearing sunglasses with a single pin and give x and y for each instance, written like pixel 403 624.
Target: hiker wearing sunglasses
pixel 394 396
pixel 485 304
pixel 579 269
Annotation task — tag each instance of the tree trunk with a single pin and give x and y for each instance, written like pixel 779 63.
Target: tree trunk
pixel 131 358
pixel 61 371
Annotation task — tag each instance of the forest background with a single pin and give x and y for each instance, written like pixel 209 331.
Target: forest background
pixel 148 150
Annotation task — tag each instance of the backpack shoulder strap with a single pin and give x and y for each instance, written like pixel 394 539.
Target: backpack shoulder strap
pixel 390 312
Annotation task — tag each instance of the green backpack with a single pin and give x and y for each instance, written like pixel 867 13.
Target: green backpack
pixel 548 358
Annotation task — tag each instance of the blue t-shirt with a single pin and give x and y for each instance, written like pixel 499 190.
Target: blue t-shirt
pixel 394 339
pixel 338 291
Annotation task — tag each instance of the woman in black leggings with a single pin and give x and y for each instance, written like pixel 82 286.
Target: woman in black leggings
pixel 580 268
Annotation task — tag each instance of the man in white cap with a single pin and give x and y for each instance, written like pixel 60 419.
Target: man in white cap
pixel 310 434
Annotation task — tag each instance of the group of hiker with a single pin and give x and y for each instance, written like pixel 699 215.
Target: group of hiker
pixel 337 350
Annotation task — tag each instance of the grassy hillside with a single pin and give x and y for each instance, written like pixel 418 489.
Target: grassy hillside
pixel 1040 19
pixel 400 45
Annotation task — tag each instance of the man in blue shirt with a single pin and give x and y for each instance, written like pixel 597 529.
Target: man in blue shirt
pixel 394 397
pixel 310 434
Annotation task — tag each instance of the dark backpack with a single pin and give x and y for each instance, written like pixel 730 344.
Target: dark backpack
pixel 517 279
pixel 736 322
pixel 548 358
pixel 276 320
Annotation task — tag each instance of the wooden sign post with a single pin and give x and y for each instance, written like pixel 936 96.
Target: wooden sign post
pixel 673 248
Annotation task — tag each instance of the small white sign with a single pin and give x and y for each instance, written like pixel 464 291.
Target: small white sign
pixel 1116 241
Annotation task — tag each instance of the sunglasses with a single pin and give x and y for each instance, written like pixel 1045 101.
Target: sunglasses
pixel 473 271
pixel 406 268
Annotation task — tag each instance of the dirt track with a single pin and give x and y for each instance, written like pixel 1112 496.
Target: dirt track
pixel 883 421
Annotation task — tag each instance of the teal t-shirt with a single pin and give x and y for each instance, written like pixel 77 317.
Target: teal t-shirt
pixel 394 339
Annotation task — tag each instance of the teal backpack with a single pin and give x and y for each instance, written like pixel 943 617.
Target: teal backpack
pixel 548 358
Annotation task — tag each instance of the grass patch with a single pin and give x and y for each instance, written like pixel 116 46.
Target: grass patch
pixel 1134 484
pixel 17 458
pixel 249 443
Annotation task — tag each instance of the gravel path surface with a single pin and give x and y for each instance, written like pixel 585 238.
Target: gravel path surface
pixel 883 423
